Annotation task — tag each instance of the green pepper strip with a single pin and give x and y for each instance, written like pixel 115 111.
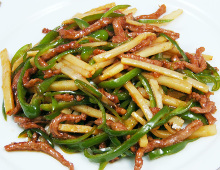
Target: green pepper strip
pixel 50 36
pixel 154 21
pixel 119 133
pixel 93 93
pixel 94 150
pixel 52 61
pixel 147 87
pixel 113 111
pixel 216 75
pixel 3 111
pixel 20 53
pixel 192 75
pixel 210 79
pixel 121 80
pixel 117 7
pixel 86 53
pixel 178 111
pixel 31 110
pixel 130 142
pixel 100 34
pixel 74 141
pixel 169 150
pixel 47 47
pixel 97 73
pixel 117 142
pixel 176 45
pixel 42 87
pixel 94 17
pixel 81 23
pixel 125 103
pixel 91 62
pixel 123 95
pixel 90 142
pixel 193 116
pixel 131 108
pixel 50 94
pixel 102 165
pixel 40 132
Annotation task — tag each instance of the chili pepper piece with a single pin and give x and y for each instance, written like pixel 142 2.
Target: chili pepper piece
pixel 176 45
pixel 169 150
pixel 3 111
pixel 130 142
pixel 117 7
pixel 121 80
pixel 20 53
pixel 154 21
pixel 30 110
pixel 50 36
pixel 81 23
pixel 100 34
pixel 86 53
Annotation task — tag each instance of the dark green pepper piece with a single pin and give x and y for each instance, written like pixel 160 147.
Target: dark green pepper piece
pixel 3 111
pixel 117 7
pixel 121 80
pixel 86 53
pixel 154 21
pixel 100 34
pixel 31 110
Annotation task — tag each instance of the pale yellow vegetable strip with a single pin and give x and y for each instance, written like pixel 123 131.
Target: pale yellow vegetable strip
pixel 100 8
pixel 138 118
pixel 161 133
pixel 204 131
pixel 164 71
pixel 179 85
pixel 176 122
pixel 63 85
pixel 17 63
pixel 32 53
pixel 155 49
pixel 70 72
pixel 77 69
pixel 128 11
pixel 93 112
pixel 171 101
pixel 139 99
pixel 157 95
pixel 97 10
pixel 111 71
pixel 122 48
pixel 169 129
pixel 173 15
pixel 143 141
pixel 167 100
pixel 103 64
pixel 6 81
pixel 78 62
pixel 74 75
pixel 131 122
pixel 77 128
pixel 95 44
pixel 159 40
pixel 66 111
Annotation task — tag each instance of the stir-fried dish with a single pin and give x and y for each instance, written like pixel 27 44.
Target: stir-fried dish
pixel 112 85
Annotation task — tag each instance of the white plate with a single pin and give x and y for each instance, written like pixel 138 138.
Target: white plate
pixel 21 23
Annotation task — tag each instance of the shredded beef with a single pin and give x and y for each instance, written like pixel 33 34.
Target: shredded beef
pixel 197 62
pixel 73 34
pixel 49 73
pixel 152 28
pixel 155 15
pixel 64 97
pixel 15 93
pixel 41 147
pixel 61 118
pixel 111 97
pixel 171 140
pixel 118 126
pixel 118 25
pixel 98 51
pixel 28 83
pixel 207 107
pixel 45 30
